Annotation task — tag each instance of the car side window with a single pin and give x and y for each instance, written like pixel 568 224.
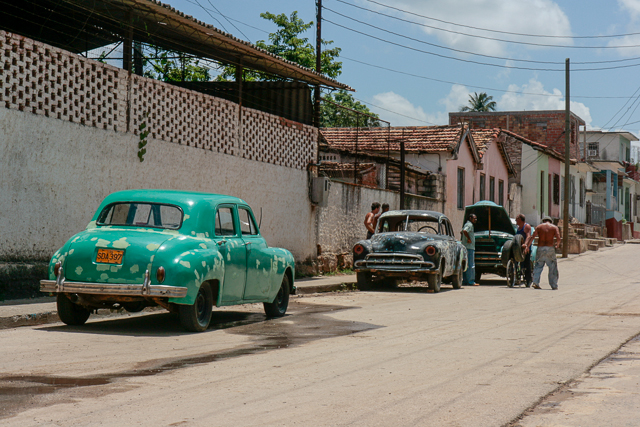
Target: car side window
pixel 247 226
pixel 224 222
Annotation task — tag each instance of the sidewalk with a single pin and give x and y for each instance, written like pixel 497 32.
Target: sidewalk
pixel 38 311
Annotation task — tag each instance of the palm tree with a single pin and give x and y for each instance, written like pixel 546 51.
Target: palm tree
pixel 480 102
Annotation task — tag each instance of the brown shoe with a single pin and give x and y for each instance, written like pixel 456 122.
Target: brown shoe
pixel 535 286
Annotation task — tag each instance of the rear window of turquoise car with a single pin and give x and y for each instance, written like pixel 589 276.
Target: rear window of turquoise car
pixel 138 214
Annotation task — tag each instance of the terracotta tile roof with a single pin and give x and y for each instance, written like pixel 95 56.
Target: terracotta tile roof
pixel 418 139
pixel 483 138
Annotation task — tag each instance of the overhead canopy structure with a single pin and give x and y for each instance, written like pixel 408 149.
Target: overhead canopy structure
pixel 82 25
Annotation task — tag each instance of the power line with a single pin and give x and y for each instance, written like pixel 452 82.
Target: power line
pixel 490 30
pixel 476 62
pixel 484 38
pixel 475 86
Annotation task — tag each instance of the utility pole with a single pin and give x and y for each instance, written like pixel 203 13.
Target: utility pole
pixel 567 163
pixel 402 178
pixel 316 110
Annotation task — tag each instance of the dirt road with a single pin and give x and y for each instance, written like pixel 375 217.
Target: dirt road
pixel 478 356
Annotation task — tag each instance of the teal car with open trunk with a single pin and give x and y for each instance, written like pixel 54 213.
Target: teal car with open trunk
pixel 184 251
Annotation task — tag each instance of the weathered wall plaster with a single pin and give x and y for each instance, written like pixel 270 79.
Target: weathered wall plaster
pixel 341 224
pixel 54 173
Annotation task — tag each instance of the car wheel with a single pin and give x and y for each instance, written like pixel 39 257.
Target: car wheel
pixel 196 317
pixel 456 279
pixel 511 273
pixel 364 280
pixel 70 312
pixel 434 281
pixel 278 307
pixel 516 248
pixel 506 253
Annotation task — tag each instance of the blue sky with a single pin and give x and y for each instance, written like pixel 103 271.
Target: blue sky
pixel 407 83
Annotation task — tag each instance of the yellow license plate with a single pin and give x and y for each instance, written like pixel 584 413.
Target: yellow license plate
pixel 109 256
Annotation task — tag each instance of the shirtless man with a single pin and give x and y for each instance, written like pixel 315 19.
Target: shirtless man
pixel 546 254
pixel 370 219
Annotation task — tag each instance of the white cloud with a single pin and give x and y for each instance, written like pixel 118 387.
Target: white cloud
pixel 631 6
pixel 458 97
pixel 525 17
pixel 407 114
pixel 532 96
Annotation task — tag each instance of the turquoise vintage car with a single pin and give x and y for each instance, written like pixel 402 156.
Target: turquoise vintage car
pixel 183 251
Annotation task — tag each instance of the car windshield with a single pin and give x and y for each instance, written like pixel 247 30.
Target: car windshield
pixel 409 223
pixel 142 215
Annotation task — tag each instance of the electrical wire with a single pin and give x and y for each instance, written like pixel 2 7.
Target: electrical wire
pixel 478 87
pixel 475 62
pixel 495 31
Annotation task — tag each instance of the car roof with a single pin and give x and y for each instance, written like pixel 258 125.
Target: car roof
pixel 424 214
pixel 181 198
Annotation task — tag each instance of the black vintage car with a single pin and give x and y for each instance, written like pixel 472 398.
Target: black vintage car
pixel 410 245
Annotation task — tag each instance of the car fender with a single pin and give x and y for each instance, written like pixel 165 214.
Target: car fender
pixel 281 262
pixel 189 266
pixel 61 255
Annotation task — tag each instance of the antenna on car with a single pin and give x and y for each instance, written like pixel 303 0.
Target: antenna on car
pixel 260 222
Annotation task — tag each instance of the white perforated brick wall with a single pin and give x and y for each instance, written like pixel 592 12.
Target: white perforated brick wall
pixel 45 80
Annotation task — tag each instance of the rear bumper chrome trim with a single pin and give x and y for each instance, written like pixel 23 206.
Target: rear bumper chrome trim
pixel 60 285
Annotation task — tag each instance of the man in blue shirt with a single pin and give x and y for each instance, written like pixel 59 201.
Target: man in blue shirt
pixel 469 242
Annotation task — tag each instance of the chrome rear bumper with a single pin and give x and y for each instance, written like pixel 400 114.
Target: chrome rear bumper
pixel 124 289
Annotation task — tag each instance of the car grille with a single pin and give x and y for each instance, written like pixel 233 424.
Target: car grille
pixel 394 261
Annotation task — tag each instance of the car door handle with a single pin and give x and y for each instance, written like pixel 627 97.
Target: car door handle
pixel 222 242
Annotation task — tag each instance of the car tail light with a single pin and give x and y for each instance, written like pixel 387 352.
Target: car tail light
pixel 358 249
pixel 56 269
pixel 430 250
pixel 160 274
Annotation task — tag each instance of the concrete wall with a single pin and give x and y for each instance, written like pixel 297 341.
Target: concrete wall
pixel 54 173
pixel 341 224
pixel 69 133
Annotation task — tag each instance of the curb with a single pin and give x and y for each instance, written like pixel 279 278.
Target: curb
pixel 51 316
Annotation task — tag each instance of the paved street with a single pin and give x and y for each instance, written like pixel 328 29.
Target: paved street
pixel 480 356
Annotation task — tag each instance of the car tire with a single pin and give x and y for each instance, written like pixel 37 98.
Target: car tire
pixel 506 253
pixel 456 279
pixel 364 280
pixel 278 307
pixel 511 273
pixel 196 317
pixel 434 281
pixel 516 248
pixel 71 313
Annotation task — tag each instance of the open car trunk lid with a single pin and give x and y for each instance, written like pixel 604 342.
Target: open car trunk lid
pixel 491 218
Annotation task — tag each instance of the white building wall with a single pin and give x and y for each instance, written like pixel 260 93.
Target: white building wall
pixel 54 174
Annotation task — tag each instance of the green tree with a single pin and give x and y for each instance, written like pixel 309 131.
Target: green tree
pixel 288 42
pixel 480 102
pixel 170 66
pixel 334 116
